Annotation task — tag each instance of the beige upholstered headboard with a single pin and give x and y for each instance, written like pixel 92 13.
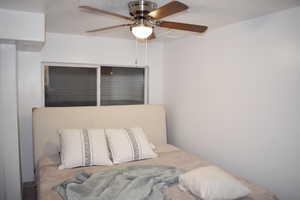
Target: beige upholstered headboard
pixel 46 122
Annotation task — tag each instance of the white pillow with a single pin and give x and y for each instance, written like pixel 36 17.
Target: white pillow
pixel 212 183
pixel 129 144
pixel 83 147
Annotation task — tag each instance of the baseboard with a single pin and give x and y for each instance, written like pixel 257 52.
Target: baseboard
pixel 30 184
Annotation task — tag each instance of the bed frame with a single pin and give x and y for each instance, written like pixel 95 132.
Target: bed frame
pixel 46 122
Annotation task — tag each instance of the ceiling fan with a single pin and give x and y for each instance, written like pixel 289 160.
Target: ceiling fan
pixel 145 16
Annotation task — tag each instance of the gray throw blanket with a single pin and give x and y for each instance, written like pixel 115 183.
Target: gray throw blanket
pixel 120 183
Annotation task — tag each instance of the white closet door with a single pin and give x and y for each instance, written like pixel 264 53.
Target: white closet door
pixel 10 158
pixel 2 189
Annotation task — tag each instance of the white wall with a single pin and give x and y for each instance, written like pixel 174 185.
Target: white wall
pixel 17 25
pixel 233 98
pixel 107 51
pixel 76 49
pixel 10 166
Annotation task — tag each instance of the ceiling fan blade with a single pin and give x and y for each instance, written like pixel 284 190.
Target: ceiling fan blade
pixel 107 28
pixel 183 26
pixel 168 9
pixel 152 36
pixel 97 11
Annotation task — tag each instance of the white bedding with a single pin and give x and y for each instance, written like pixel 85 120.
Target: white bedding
pixel 49 175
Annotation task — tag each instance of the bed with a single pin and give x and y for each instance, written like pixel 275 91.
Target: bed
pixel 152 118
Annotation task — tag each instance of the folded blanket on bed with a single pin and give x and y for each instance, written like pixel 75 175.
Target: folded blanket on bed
pixel 120 183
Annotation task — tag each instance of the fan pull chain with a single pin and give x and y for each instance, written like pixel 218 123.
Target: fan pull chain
pixel 136 53
pixel 146 53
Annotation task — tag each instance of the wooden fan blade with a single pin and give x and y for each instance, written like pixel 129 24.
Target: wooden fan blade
pixel 107 28
pixel 183 26
pixel 98 11
pixel 168 9
pixel 152 36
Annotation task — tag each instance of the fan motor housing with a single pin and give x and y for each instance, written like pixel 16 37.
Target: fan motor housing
pixel 140 9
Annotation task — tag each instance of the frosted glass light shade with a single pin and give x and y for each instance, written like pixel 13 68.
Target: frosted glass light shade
pixel 142 31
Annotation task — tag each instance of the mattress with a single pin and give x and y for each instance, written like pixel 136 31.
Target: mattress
pixel 48 175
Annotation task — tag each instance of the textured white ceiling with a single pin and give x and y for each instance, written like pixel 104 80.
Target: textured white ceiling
pixel 63 16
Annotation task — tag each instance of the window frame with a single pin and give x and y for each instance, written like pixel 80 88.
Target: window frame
pixel 98 67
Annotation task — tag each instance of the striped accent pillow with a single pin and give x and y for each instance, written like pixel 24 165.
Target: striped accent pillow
pixel 129 144
pixel 83 147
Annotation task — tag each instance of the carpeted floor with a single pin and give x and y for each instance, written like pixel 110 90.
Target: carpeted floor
pixel 29 191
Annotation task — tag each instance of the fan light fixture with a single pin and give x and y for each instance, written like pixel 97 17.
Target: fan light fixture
pixel 141 31
pixel 145 16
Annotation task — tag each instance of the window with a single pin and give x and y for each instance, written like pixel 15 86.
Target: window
pixel 70 86
pixel 75 85
pixel 122 85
